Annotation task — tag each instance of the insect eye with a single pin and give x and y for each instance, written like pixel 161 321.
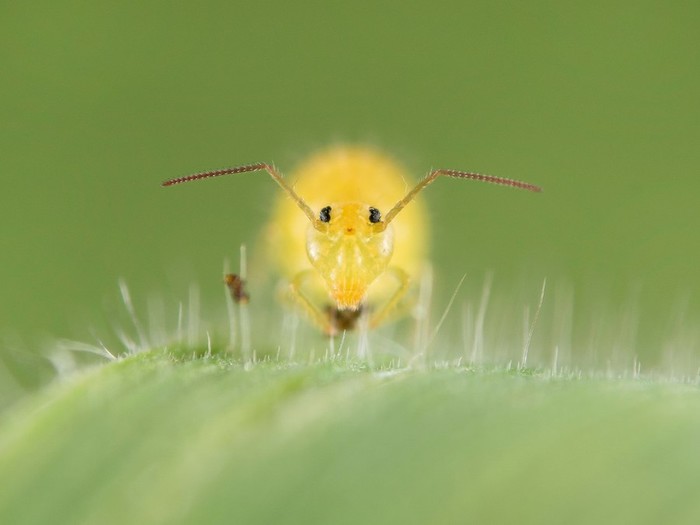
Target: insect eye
pixel 325 214
pixel 374 215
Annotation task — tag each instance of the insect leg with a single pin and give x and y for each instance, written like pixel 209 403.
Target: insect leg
pixel 380 315
pixel 321 319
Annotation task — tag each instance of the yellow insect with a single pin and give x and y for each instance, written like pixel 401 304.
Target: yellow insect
pixel 344 234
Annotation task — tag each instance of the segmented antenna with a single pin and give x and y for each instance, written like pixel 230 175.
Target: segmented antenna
pixel 216 173
pixel 271 170
pixel 488 178
pixel 457 175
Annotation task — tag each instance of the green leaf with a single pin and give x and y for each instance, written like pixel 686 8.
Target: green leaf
pixel 172 437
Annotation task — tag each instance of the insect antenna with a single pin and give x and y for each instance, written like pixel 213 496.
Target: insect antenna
pixel 261 166
pixel 457 175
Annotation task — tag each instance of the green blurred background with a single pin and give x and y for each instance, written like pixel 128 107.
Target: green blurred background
pixel 595 101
